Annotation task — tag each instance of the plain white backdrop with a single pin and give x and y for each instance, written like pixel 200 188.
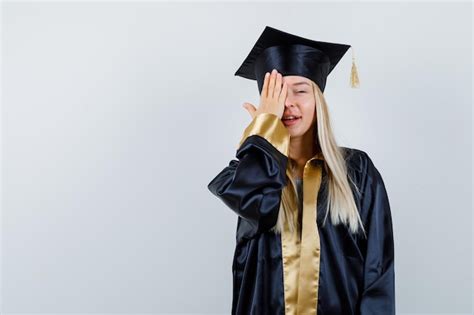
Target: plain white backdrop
pixel 116 116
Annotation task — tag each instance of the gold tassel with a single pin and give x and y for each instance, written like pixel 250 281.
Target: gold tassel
pixel 354 74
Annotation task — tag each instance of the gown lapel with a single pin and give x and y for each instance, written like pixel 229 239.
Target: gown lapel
pixel 301 257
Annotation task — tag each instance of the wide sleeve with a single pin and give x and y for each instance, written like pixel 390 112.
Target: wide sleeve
pixel 378 296
pixel 251 185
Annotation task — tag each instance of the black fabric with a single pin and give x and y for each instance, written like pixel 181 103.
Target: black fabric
pixel 291 55
pixel 356 274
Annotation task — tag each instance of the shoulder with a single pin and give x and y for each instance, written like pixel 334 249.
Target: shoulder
pixel 371 193
pixel 356 159
pixel 360 165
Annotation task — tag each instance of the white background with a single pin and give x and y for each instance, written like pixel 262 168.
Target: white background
pixel 116 116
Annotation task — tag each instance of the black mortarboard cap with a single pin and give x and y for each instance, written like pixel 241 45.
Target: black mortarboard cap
pixel 293 55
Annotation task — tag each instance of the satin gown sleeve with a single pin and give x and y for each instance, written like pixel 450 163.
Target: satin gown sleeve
pixel 251 185
pixel 378 296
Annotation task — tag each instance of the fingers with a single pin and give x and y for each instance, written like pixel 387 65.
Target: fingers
pixel 250 108
pixel 271 84
pixel 283 94
pixel 277 90
pixel 273 94
pixel 265 85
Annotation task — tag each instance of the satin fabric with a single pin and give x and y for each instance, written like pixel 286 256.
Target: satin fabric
pixel 356 275
pixel 291 55
pixel 294 59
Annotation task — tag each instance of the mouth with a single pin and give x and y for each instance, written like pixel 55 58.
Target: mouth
pixel 292 121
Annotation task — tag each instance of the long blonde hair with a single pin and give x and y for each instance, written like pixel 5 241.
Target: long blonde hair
pixel 340 200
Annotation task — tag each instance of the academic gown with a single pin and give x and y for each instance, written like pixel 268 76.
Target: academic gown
pixel 325 271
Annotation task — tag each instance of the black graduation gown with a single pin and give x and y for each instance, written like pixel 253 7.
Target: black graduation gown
pixel 340 273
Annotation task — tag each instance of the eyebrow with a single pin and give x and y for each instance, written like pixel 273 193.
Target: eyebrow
pixel 300 83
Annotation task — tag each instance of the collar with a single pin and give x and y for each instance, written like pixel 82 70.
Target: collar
pixel 317 156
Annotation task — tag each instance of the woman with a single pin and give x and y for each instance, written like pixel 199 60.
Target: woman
pixel 289 178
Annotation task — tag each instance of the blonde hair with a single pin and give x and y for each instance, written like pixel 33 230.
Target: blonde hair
pixel 340 200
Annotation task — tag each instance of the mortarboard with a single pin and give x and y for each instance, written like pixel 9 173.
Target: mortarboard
pixel 294 55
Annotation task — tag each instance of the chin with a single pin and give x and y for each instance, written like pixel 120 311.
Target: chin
pixel 294 133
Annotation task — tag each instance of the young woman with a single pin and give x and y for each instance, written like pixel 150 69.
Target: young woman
pixel 314 229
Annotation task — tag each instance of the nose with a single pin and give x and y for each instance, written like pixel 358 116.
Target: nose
pixel 289 101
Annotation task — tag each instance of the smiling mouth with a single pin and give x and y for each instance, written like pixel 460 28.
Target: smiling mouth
pixel 290 119
pixel 290 122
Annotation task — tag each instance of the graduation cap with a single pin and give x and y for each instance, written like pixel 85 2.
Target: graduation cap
pixel 294 55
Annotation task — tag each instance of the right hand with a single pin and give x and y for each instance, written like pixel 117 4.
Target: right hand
pixel 272 99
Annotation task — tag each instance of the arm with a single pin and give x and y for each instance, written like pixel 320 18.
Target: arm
pixel 251 186
pixel 378 296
